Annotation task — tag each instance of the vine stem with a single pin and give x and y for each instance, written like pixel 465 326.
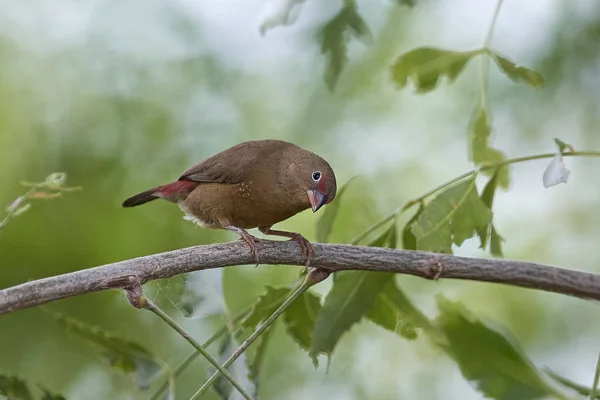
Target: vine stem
pixel 149 305
pixel 485 61
pixel 188 360
pixel 315 276
pixel 596 378
pixel 459 178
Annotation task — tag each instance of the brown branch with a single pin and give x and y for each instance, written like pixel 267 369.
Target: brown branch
pixel 330 257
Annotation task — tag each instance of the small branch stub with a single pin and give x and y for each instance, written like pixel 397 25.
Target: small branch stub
pixel 135 295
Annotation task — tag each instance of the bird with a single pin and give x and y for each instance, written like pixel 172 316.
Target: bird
pixel 254 184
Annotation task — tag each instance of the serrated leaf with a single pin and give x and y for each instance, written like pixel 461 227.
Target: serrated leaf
pixel 581 389
pixel 517 73
pixel 487 358
pixel 488 234
pixel 124 355
pixel 393 311
pixel 452 217
pixel 409 241
pixel 487 197
pixel 480 151
pixel 334 41
pixel 325 223
pixel 358 27
pixel 426 65
pixel 352 295
pixel 283 14
pixel 265 306
pixel 14 388
pixel 300 318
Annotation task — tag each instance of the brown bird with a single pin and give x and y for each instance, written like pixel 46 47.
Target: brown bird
pixel 254 184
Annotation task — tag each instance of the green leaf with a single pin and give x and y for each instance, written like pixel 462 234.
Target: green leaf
pixel 496 243
pixel 409 241
pixel 486 357
pixel 124 355
pixel 410 3
pixel 352 295
pixel 581 389
pixel 325 223
pixel 425 66
pixel 487 197
pixel 393 311
pixel 14 388
pixel 265 306
pixel 488 234
pixel 452 217
pixel 300 318
pixel 517 73
pixel 333 38
pixel 50 396
pixel 480 151
pixel 562 146
pixel 384 237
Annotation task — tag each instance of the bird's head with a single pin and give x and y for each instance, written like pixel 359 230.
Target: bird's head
pixel 318 182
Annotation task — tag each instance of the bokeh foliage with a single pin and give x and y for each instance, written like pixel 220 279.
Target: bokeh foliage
pixel 137 100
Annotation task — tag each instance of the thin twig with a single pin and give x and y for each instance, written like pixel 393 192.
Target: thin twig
pixel 149 305
pixel 596 377
pixel 188 360
pixel 409 204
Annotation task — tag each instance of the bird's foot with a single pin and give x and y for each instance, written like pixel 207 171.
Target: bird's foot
pixel 296 237
pixel 252 241
pixel 306 249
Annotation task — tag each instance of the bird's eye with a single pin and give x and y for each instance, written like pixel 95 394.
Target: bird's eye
pixel 316 176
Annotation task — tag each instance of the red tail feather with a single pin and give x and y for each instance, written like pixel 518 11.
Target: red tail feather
pixel 174 191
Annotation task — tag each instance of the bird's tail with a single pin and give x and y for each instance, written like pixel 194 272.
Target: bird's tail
pixel 174 191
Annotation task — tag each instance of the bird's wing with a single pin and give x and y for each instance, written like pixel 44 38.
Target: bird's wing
pixel 233 165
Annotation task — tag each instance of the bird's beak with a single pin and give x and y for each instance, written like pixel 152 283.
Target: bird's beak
pixel 317 199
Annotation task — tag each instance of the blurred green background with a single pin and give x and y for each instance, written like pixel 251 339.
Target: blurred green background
pixel 123 96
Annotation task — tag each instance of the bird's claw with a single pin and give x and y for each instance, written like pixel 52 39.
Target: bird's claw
pixel 306 249
pixel 252 241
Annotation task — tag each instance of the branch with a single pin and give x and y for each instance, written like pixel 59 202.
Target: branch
pixel 331 257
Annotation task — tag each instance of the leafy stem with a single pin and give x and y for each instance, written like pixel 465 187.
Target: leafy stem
pixel 188 360
pixel 313 277
pixel 596 377
pixel 485 61
pixel 54 183
pixel 171 322
pixel 409 204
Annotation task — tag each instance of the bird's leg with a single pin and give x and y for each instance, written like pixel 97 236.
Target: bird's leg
pixel 251 241
pixel 304 244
